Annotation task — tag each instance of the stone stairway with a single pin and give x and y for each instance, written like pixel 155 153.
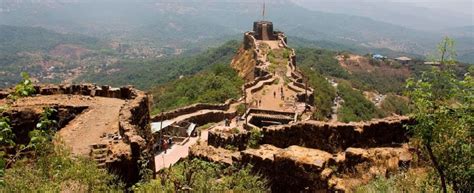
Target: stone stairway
pixel 99 154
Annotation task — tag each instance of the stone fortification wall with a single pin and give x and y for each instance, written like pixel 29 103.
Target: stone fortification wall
pixel 335 137
pixel 269 112
pixel 191 109
pixel 224 139
pixel 249 41
pixel 260 87
pixel 210 117
pixel 330 137
pixel 134 122
pixel 134 115
pixel 256 81
pixel 296 168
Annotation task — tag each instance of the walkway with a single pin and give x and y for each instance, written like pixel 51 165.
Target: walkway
pixel 101 117
pixel 176 152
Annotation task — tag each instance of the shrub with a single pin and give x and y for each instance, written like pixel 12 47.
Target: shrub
pixel 235 130
pixel 255 138
pixel 240 109
pixel 48 166
pixel 55 170
pixel 395 104
pixel 411 181
pixel 24 88
pixel 201 176
pixel 443 110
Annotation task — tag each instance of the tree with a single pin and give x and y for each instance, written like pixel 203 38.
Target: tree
pixel 443 110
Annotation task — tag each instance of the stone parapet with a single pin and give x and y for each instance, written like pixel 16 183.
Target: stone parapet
pixel 335 137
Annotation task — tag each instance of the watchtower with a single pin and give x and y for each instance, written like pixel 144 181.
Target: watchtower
pixel 264 30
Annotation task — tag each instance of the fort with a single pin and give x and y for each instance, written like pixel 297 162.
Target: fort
pixel 113 126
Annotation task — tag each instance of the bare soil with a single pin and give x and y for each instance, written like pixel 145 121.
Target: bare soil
pixel 99 119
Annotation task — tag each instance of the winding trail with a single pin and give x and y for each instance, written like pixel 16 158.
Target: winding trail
pixel 267 91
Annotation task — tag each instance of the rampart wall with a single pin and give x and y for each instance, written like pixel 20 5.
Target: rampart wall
pixel 330 137
pixel 191 109
pixel 336 137
pixel 134 122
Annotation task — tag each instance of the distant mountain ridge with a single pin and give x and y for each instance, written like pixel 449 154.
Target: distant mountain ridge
pixel 408 14
pixel 183 22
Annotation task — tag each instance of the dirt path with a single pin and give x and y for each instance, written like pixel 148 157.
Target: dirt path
pixel 272 44
pixel 272 98
pixel 101 117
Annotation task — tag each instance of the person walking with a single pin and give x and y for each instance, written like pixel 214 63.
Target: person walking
pixel 165 145
pixel 274 94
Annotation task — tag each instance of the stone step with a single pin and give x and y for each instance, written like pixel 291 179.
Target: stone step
pixel 101 160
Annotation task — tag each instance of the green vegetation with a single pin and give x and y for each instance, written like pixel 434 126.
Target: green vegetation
pixel 411 181
pixel 278 59
pixel 324 93
pixel 145 74
pixel 54 170
pixel 241 109
pixel 6 140
pixel 44 166
pixel 214 86
pixel 385 78
pixel 355 107
pixel 15 39
pixel 395 104
pixel 27 48
pixel 255 138
pixel 24 88
pixel 444 112
pixel 323 61
pixel 235 130
pixel 201 176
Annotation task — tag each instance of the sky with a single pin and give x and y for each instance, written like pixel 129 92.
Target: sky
pixel 466 6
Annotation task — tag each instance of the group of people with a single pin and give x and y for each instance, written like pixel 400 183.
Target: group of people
pixel 165 144
pixel 281 94
pixel 258 102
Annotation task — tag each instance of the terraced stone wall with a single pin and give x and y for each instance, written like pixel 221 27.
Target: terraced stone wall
pixel 191 109
pixel 336 137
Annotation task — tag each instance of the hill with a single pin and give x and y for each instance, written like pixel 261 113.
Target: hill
pixel 14 39
pixel 46 55
pixel 148 73
pixel 402 13
pixel 163 23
